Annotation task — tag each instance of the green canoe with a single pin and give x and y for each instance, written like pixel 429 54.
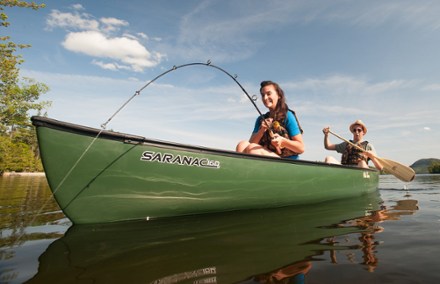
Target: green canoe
pixel 101 176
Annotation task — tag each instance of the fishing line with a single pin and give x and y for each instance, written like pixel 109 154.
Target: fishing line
pixel 59 185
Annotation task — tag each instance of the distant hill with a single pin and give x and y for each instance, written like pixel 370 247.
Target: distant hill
pixel 421 166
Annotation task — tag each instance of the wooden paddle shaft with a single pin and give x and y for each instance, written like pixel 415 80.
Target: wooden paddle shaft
pixel 349 142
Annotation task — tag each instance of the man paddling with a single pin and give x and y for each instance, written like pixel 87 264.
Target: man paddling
pixel 352 155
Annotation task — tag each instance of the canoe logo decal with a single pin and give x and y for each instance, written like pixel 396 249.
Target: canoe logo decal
pixel 167 158
pixel 188 275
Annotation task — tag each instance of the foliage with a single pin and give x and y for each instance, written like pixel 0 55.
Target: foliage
pixel 17 100
pixel 434 168
pixel 422 166
pixel 18 97
pixel 17 157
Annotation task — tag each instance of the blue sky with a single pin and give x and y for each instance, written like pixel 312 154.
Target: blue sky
pixel 337 61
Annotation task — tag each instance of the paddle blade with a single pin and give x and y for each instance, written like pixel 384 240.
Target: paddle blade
pixel 402 172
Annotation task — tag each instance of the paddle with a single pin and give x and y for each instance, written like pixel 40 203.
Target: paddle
pixel 400 171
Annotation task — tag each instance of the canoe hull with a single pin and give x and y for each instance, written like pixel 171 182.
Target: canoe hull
pixel 105 177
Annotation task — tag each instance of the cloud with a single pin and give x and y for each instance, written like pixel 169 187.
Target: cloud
pixel 88 36
pixel 142 35
pixel 58 19
pixel 109 66
pixel 77 7
pixel 126 50
pixel 113 22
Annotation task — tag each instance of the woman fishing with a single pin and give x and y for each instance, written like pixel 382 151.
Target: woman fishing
pixel 278 133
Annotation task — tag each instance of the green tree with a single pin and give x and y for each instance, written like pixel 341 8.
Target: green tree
pixel 18 97
pixel 434 168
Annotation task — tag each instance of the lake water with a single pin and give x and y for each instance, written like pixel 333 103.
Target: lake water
pixel 392 236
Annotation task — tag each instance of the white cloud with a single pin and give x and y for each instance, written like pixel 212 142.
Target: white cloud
pixel 142 35
pixel 110 66
pixel 126 50
pixel 94 38
pixel 77 7
pixel 112 24
pixel 76 21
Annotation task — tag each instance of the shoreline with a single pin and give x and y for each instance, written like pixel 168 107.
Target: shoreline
pixel 14 174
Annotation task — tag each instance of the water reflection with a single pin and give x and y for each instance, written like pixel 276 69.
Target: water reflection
pixel 293 273
pixel 30 220
pixel 26 203
pixel 364 241
pixel 247 246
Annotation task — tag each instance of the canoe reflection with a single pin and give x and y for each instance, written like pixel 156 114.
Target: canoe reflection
pixel 218 248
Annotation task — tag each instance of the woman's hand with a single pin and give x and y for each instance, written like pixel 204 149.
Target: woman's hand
pixel 266 124
pixel 277 141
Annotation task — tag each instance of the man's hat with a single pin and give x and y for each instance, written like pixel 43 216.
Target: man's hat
pixel 358 122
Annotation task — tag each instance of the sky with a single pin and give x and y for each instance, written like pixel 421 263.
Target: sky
pixel 337 61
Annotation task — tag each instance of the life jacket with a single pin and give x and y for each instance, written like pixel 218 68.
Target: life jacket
pixel 279 127
pixel 353 155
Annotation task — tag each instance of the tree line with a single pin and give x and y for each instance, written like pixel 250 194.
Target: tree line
pixel 19 96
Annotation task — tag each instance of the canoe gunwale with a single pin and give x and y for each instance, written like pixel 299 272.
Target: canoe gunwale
pixel 40 121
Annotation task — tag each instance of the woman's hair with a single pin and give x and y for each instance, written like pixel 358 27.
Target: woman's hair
pixel 281 107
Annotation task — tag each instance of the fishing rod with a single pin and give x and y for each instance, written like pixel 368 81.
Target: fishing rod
pixel 207 64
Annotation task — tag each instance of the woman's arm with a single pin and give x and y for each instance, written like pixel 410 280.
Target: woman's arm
pixel 256 136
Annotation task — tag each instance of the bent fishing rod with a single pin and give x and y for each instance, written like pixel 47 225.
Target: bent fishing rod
pixel 207 64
